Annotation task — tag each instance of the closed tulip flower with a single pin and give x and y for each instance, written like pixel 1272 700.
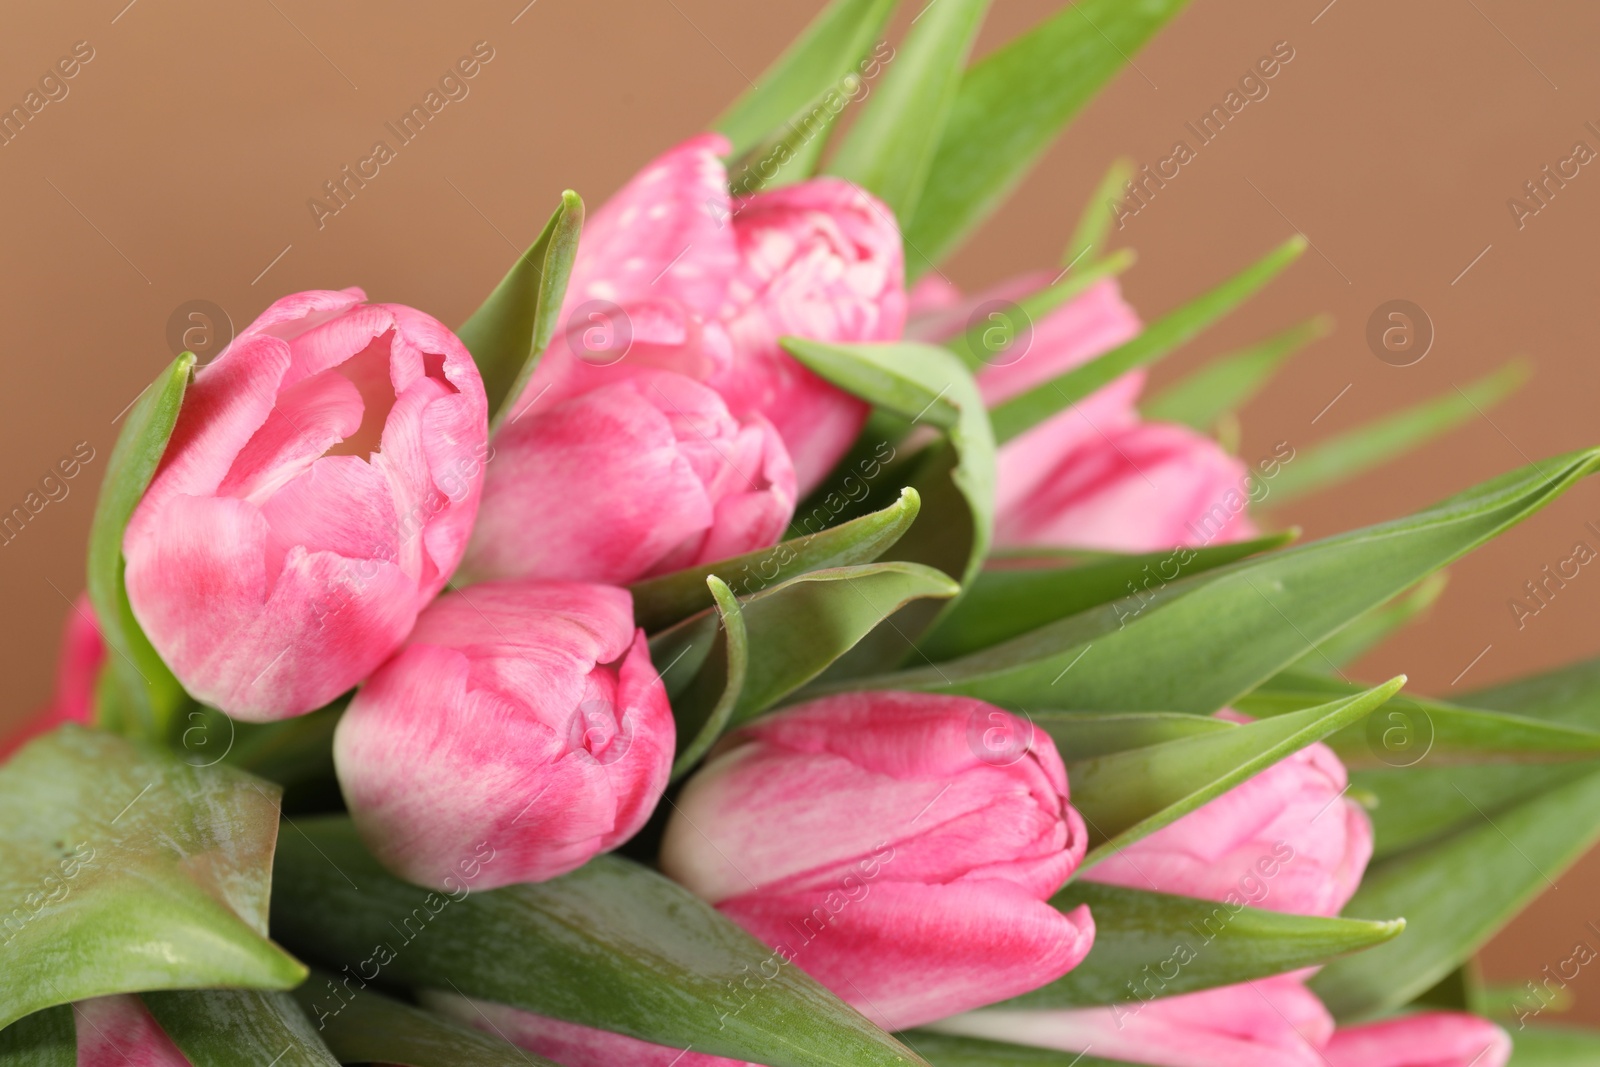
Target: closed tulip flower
pixel 521 730
pixel 1430 1039
pixel 644 475
pixel 898 847
pixel 317 492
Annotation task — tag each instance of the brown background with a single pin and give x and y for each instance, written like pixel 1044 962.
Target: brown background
pixel 181 162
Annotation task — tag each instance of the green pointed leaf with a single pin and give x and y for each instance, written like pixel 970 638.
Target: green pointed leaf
pixel 1412 729
pixel 1140 937
pixel 1094 223
pixel 794 631
pixel 1540 1045
pixel 704 702
pixel 952 1050
pixel 1456 894
pixel 109 847
pixel 824 55
pixel 1128 795
pixel 890 148
pixel 47 1038
pixel 372 1028
pixel 146 696
pixel 512 328
pixel 990 339
pixel 1373 628
pixel 1009 107
pixel 228 1027
pixel 1225 385
pixel 1343 457
pixel 1569 694
pixel 1079 735
pixel 1027 410
pixel 1007 601
pixel 612 945
pixel 1198 643
pixel 660 602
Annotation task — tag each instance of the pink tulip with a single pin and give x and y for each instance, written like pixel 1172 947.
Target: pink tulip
pixel 520 731
pixel 119 1031
pixel 1273 1022
pixel 316 494
pixel 898 847
pixel 643 475
pixel 1095 475
pixel 77 669
pixel 1285 840
pixel 673 273
pixel 1431 1039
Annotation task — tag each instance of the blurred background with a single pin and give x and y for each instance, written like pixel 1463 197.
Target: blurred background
pixel 172 174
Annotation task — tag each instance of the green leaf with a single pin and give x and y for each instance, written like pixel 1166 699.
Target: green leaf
pixel 988 340
pixel 704 702
pixel 1079 735
pixel 1411 728
pixel 227 1027
pixel 372 1028
pixel 1140 937
pixel 1009 107
pixel 47 1038
pixel 1094 223
pixel 891 147
pixel 126 869
pixel 794 631
pixel 1569 694
pixel 952 1050
pixel 1128 795
pixel 1374 627
pixel 1008 601
pixel 1456 894
pixel 612 945
pixel 1538 1045
pixel 1197 644
pixel 660 602
pixel 512 328
pixel 1227 384
pixel 1027 410
pixel 1343 457
pixel 146 695
pixel 824 55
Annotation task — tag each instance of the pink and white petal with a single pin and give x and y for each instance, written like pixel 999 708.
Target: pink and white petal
pixel 1429 1039
pixel 339 340
pixel 646 723
pixel 309 417
pixel 292 315
pixel 1029 463
pixel 1090 325
pixel 119 1031
pixel 404 462
pixel 340 505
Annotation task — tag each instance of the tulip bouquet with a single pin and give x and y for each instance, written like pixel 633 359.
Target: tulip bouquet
pixel 733 644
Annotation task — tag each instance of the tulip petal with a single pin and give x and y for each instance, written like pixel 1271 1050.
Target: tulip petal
pixel 1429 1039
pixel 118 1031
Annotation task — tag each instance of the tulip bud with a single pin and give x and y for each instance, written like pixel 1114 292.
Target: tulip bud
pixel 1430 1039
pixel 645 475
pixel 520 731
pixel 119 1031
pixel 892 848
pixel 317 492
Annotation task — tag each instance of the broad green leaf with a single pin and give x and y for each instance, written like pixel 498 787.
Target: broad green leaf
pixel 1157 945
pixel 47 1038
pixel 1412 729
pixel 660 602
pixel 1543 1045
pixel 128 869
pixel 1080 735
pixel 1373 628
pixel 989 340
pixel 512 328
pixel 1007 601
pixel 228 1027
pixel 367 1027
pixel 711 700
pixel 891 147
pixel 1227 384
pixel 1343 457
pixel 145 696
pixel 824 56
pixel 794 631
pixel 1094 223
pixel 1027 410
pixel 1198 643
pixel 953 1050
pixel 1009 107
pixel 1457 893
pixel 612 945
pixel 1128 795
